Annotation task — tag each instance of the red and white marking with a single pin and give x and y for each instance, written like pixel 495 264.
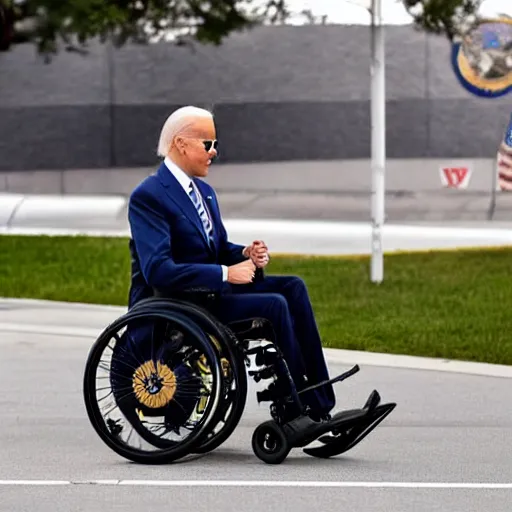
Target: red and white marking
pixel 455 177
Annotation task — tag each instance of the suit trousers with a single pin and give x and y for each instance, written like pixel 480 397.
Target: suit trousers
pixel 284 301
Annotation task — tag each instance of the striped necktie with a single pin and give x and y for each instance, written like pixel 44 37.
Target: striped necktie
pixel 201 210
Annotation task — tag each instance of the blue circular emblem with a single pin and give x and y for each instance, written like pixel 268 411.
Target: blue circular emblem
pixel 482 61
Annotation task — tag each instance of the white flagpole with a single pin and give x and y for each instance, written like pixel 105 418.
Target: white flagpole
pixel 378 124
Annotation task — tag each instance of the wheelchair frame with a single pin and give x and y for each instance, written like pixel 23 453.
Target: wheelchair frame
pixel 226 352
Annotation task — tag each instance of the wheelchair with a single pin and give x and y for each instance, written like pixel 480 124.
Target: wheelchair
pixel 167 380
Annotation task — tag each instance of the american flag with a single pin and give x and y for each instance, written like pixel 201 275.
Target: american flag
pixel 505 160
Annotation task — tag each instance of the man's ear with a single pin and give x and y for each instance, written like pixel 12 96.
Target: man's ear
pixel 179 142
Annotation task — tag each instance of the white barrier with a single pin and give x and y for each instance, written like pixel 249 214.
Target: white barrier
pixel 54 211
pixel 8 205
pixel 106 216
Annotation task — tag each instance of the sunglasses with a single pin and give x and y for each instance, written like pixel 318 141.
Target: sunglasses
pixel 209 144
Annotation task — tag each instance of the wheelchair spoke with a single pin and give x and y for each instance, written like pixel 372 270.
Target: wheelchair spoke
pixel 129 435
pixel 125 395
pixel 123 388
pixel 124 363
pixel 117 339
pixel 103 389
pixel 105 397
pixel 154 383
pixel 111 410
pixel 188 390
pixel 155 428
pixel 103 366
pixel 113 372
pixel 152 351
pixel 140 360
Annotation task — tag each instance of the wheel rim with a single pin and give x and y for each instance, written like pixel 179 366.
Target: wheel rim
pixel 156 404
pixel 233 394
pixel 269 441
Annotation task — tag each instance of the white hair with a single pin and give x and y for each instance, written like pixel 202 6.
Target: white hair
pixel 177 123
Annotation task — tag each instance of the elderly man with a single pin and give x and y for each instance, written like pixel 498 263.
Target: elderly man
pixel 180 243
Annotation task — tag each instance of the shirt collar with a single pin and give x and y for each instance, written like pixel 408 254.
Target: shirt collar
pixel 183 179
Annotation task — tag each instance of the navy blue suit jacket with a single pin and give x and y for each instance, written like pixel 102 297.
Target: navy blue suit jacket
pixel 170 251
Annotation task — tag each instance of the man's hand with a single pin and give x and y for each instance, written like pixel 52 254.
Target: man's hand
pixel 258 253
pixel 241 273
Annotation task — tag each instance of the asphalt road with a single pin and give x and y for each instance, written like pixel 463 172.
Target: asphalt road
pixel 444 448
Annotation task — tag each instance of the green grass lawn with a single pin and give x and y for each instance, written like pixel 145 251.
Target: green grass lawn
pixel 439 304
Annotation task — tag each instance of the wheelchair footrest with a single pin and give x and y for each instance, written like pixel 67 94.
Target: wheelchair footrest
pixel 304 430
pixel 350 432
pixel 347 427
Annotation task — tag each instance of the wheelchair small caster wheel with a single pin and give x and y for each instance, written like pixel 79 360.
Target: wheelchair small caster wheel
pixel 269 443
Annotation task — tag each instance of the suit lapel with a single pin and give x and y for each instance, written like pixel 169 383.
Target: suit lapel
pixel 175 192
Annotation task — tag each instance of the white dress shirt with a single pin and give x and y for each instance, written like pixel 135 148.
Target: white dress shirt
pixel 184 180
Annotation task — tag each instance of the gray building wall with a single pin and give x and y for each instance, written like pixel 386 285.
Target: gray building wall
pixel 278 93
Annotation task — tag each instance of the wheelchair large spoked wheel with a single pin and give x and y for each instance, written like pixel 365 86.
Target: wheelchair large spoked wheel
pixel 234 389
pixel 153 384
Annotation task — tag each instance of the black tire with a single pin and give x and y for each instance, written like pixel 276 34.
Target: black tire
pixel 269 443
pixel 209 441
pixel 170 451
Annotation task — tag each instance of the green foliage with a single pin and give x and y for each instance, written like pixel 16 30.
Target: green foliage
pixel 47 23
pixel 75 22
pixel 441 16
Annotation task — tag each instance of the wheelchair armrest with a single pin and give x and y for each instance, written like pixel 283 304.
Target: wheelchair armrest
pixel 200 296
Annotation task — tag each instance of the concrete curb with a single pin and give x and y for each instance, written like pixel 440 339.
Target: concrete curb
pixel 339 356
pixel 333 356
